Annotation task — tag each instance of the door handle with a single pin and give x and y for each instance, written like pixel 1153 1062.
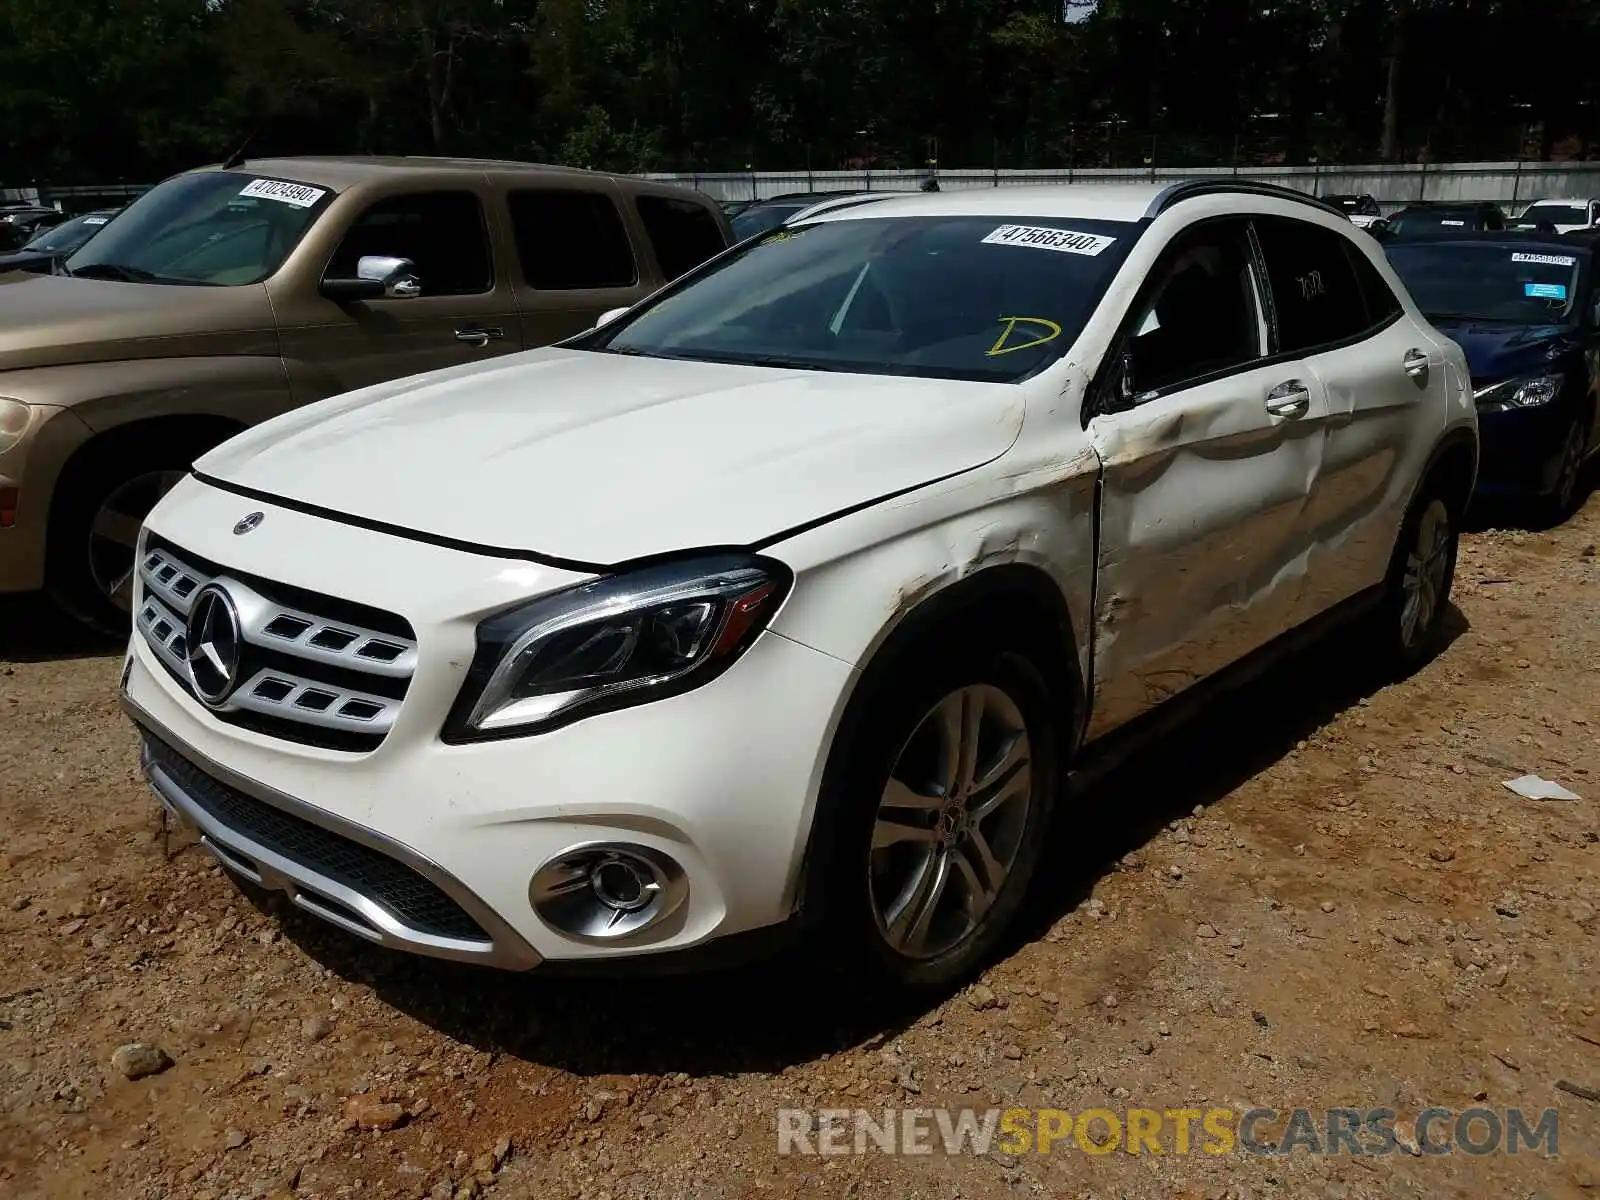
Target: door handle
pixel 477 335
pixel 1290 399
pixel 1416 365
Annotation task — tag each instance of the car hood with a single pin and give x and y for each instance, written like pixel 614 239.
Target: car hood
pixel 598 459
pixel 53 320
pixel 1496 350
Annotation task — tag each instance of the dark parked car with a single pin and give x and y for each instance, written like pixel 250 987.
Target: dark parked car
pixel 1526 312
pixel 52 245
pixel 765 215
pixel 1446 220
pixel 1362 210
pixel 19 222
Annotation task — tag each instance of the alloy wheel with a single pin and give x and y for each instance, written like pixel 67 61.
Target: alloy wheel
pixel 1571 466
pixel 114 533
pixel 950 822
pixel 1426 573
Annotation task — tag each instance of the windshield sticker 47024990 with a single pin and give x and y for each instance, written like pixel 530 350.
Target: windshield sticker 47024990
pixel 297 194
pixel 1064 241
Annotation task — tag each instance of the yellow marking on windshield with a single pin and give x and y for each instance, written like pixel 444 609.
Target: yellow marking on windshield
pixel 1011 324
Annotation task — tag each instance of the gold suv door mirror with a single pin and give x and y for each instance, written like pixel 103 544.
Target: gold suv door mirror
pixel 378 277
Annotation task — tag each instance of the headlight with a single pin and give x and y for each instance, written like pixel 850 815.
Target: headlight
pixel 614 642
pixel 14 418
pixel 1527 392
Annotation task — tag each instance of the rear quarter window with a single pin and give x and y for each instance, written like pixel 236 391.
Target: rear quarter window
pixel 570 239
pixel 1316 294
pixel 683 232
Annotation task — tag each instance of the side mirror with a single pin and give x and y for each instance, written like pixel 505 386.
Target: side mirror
pixel 609 316
pixel 378 277
pixel 1116 395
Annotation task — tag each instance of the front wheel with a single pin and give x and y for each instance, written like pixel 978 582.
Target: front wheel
pixel 949 802
pixel 1409 625
pixel 1559 503
pixel 94 534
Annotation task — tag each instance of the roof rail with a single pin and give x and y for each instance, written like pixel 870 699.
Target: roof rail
pixel 1190 188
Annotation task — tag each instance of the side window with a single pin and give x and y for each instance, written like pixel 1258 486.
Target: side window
pixel 1200 315
pixel 443 233
pixel 1375 291
pixel 683 232
pixel 1315 293
pixel 571 239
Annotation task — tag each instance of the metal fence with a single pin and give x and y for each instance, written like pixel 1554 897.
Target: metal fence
pixel 1511 185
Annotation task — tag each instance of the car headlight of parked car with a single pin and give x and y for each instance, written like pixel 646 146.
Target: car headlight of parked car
pixel 614 642
pixel 1527 391
pixel 14 418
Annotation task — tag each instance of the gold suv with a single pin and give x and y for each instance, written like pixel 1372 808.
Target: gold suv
pixel 222 297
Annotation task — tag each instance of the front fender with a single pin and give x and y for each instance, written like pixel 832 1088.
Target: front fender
pixel 244 389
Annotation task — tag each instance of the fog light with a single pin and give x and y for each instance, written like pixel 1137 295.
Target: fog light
pixel 607 891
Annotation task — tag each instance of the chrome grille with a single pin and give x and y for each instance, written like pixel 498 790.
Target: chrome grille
pixel 312 669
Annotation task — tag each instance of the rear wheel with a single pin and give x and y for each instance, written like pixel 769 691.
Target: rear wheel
pixel 100 506
pixel 949 802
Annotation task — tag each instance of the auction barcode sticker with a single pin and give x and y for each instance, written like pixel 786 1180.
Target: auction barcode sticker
pixel 1549 260
pixel 297 194
pixel 1064 241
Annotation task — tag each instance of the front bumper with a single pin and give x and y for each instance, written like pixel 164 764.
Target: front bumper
pixel 28 472
pixel 722 779
pixel 1521 449
pixel 349 876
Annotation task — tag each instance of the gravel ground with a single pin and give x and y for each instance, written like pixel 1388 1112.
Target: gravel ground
pixel 1319 896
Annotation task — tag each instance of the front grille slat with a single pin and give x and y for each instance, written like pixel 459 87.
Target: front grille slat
pixel 410 897
pixel 312 669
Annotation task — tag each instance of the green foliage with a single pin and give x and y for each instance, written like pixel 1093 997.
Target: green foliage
pixel 105 90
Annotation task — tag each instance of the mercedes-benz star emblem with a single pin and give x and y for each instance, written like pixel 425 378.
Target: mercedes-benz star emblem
pixel 248 522
pixel 211 644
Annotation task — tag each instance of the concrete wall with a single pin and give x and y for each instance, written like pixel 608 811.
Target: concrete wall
pixel 1511 185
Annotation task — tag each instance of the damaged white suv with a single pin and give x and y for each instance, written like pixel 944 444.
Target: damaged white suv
pixel 798 591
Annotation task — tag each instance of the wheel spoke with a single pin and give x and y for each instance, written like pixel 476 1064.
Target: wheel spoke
pixel 980 897
pixel 982 857
pixel 908 924
pixel 960 717
pixel 893 833
pixel 119 527
pixel 900 795
pixel 1016 754
pixel 122 590
pixel 1009 788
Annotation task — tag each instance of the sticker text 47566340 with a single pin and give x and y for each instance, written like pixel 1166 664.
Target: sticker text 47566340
pixel 1035 237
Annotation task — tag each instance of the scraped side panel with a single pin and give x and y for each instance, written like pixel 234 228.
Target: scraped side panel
pixel 1203 541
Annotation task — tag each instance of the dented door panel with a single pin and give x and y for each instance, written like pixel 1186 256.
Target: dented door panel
pixel 1203 534
pixel 1378 437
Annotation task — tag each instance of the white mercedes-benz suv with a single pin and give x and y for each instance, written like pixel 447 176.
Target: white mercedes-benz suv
pixel 804 590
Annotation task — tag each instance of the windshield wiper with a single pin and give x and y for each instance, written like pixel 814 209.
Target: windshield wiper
pixel 113 271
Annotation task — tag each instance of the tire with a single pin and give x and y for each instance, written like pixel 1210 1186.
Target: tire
pixel 100 504
pixel 1561 501
pixel 909 867
pixel 1408 627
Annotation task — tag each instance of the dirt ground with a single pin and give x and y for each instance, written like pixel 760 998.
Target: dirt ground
pixel 1320 896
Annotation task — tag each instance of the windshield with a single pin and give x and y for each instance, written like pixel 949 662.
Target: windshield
pixel 1489 282
pixel 952 297
pixel 213 227
pixel 1557 214
pixel 69 235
